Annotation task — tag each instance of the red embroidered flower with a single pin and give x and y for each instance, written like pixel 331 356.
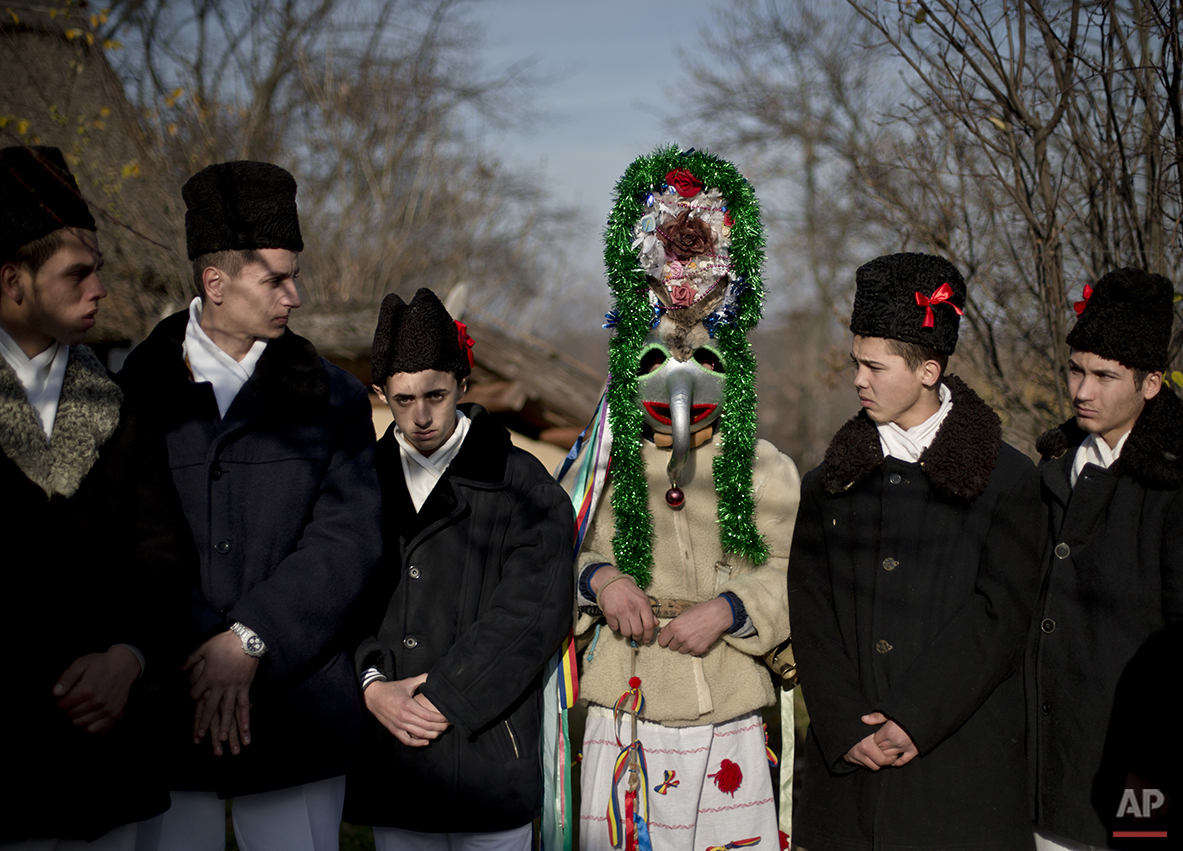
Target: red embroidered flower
pixel 682 295
pixel 728 778
pixel 684 182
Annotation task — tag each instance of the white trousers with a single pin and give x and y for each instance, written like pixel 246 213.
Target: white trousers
pixel 299 818
pixel 1051 842
pixel 396 839
pixel 121 838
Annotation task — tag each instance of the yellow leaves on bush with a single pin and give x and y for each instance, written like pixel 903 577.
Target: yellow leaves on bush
pixel 173 97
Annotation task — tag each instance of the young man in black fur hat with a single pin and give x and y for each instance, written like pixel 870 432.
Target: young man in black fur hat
pixel 912 578
pixel 1113 584
pixel 272 453
pixel 96 550
pixel 478 556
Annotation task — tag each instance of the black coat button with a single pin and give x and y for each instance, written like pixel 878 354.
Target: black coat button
pixel 410 642
pixel 215 472
pixel 890 564
pixel 895 478
pixel 222 546
pixel 1047 625
pixel 882 646
pixel 1045 707
pixel 1063 550
pixel 413 572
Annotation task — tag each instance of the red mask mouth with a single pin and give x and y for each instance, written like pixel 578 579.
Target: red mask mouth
pixel 660 411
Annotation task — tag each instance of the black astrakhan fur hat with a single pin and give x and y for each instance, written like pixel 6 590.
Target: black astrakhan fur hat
pixel 915 298
pixel 38 195
pixel 240 205
pixel 418 336
pixel 1127 318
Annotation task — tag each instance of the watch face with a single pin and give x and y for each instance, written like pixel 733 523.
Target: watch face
pixel 254 645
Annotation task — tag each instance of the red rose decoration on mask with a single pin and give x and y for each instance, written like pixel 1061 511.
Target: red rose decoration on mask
pixel 684 183
pixel 682 295
pixel 685 237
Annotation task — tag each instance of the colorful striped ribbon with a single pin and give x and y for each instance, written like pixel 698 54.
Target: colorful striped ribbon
pixel 738 843
pixel 622 825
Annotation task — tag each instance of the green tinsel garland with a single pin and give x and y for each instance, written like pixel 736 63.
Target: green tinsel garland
pixel 633 540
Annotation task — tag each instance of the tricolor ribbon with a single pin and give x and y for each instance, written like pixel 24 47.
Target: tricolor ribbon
pixel 1079 305
pixel 631 702
pixel 941 296
pixel 768 752
pixel 466 342
pixel 739 843
pixel 623 824
pixel 668 783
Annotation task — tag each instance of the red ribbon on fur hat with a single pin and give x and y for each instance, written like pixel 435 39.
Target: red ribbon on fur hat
pixel 466 342
pixel 941 296
pixel 1079 305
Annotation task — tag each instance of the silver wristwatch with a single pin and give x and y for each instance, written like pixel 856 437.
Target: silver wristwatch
pixel 252 645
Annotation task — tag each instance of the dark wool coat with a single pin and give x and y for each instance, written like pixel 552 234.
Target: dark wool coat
pixel 482 598
pixel 109 563
pixel 911 588
pixel 1113 582
pixel 284 506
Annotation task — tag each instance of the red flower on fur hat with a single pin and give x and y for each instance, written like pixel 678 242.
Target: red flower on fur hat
pixel 1079 305
pixel 728 778
pixel 466 342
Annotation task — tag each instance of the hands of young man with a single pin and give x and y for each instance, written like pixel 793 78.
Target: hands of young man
pixel 411 718
pixel 220 675
pixel 93 690
pixel 889 745
pixel 626 607
pixel 696 629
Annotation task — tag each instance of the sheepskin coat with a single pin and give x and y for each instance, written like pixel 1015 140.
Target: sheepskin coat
pixel 480 591
pixel 284 506
pixel 96 553
pixel 1113 582
pixel 912 587
pixel 729 680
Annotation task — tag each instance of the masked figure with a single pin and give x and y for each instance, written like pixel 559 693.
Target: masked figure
pixel 685 521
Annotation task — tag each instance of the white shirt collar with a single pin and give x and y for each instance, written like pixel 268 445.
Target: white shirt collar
pixel 909 444
pixel 209 363
pixel 1095 450
pixel 41 376
pixel 422 472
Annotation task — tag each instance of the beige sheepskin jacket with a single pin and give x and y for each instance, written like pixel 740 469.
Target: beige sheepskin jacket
pixel 729 680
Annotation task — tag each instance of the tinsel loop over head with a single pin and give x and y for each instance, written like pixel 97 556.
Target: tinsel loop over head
pixel 38 195
pixel 1127 318
pixel 418 336
pixel 914 298
pixel 683 249
pixel 240 205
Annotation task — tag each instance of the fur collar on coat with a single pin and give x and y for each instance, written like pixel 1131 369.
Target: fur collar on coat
pixel 1153 453
pixel 290 377
pixel 957 464
pixel 87 416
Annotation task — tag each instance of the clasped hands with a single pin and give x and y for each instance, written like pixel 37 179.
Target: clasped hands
pixel 889 745
pixel 410 717
pixel 220 677
pixel 627 611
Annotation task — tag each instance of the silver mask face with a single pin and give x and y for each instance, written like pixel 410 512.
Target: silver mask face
pixel 679 397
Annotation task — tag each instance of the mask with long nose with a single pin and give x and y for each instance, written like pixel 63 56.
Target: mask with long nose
pixel 679 398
